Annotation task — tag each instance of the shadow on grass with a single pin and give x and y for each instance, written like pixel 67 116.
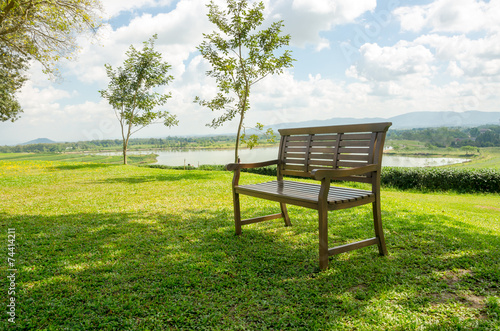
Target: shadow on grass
pixel 167 177
pixel 188 270
pixel 83 166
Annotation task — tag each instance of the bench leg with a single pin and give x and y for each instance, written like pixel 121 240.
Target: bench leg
pixel 379 232
pixel 237 213
pixel 284 214
pixel 323 238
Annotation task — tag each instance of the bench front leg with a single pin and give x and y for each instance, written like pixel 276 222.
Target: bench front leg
pixel 236 202
pixel 323 223
pixel 284 214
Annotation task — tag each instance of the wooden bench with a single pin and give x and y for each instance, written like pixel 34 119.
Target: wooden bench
pixel 340 153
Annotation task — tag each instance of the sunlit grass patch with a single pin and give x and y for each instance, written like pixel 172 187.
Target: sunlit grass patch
pixel 123 247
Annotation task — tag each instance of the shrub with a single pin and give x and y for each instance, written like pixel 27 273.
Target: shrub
pixel 442 179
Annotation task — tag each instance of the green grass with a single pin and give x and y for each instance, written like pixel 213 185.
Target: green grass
pixel 78 157
pixel 132 248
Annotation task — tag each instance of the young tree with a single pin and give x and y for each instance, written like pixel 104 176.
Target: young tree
pixel 131 91
pixel 241 54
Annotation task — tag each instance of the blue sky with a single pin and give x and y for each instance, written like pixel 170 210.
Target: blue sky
pixel 362 58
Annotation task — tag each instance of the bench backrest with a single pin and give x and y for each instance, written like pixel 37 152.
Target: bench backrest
pixel 331 147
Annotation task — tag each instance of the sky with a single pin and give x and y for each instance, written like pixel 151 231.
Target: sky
pixel 362 58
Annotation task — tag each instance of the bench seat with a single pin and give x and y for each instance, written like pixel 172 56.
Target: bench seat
pixel 306 194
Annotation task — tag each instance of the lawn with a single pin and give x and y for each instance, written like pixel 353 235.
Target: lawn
pixel 78 157
pixel 117 247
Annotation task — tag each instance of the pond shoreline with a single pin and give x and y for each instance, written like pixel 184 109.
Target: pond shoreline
pixel 198 157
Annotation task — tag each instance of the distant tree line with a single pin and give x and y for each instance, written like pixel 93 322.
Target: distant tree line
pixel 483 136
pixel 116 144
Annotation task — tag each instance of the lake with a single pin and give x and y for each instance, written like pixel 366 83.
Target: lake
pixel 224 156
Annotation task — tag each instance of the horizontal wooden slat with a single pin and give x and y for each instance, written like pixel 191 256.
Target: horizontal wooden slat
pixel 322 156
pixel 295 155
pixel 321 162
pixel 294 167
pixel 323 143
pixel 311 168
pixel 353 157
pixel 322 137
pixel 297 138
pixel 362 143
pixel 296 150
pixel 357 136
pixel 354 150
pixel 321 150
pixel 296 143
pixel 351 164
pixel 368 127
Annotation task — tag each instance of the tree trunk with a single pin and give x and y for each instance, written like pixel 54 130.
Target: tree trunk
pixel 124 152
pixel 236 147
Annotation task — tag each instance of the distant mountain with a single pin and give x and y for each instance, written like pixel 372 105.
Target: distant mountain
pixel 39 141
pixel 423 119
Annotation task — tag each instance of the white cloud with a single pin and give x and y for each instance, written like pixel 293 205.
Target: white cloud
pixel 305 19
pixel 460 16
pixel 391 63
pixel 469 57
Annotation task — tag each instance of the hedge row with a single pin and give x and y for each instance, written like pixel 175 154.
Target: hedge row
pixel 423 179
pixel 430 179
pixel 442 179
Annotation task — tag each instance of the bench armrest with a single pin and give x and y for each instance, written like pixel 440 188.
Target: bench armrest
pixel 237 166
pixel 319 174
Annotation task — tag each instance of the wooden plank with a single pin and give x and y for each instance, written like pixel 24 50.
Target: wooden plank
pixel 295 149
pixel 297 138
pixel 320 162
pixel 295 167
pixel 321 137
pixel 350 164
pixel 353 157
pixel 361 143
pixel 281 156
pixel 323 156
pixel 352 246
pixel 355 150
pixel 296 143
pixel 306 160
pixel 294 160
pixel 260 219
pixel 368 127
pixel 357 136
pixel 322 150
pixel 290 155
pixel 323 143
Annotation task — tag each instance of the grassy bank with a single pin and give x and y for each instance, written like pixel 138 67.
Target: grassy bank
pixel 78 157
pixel 131 248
